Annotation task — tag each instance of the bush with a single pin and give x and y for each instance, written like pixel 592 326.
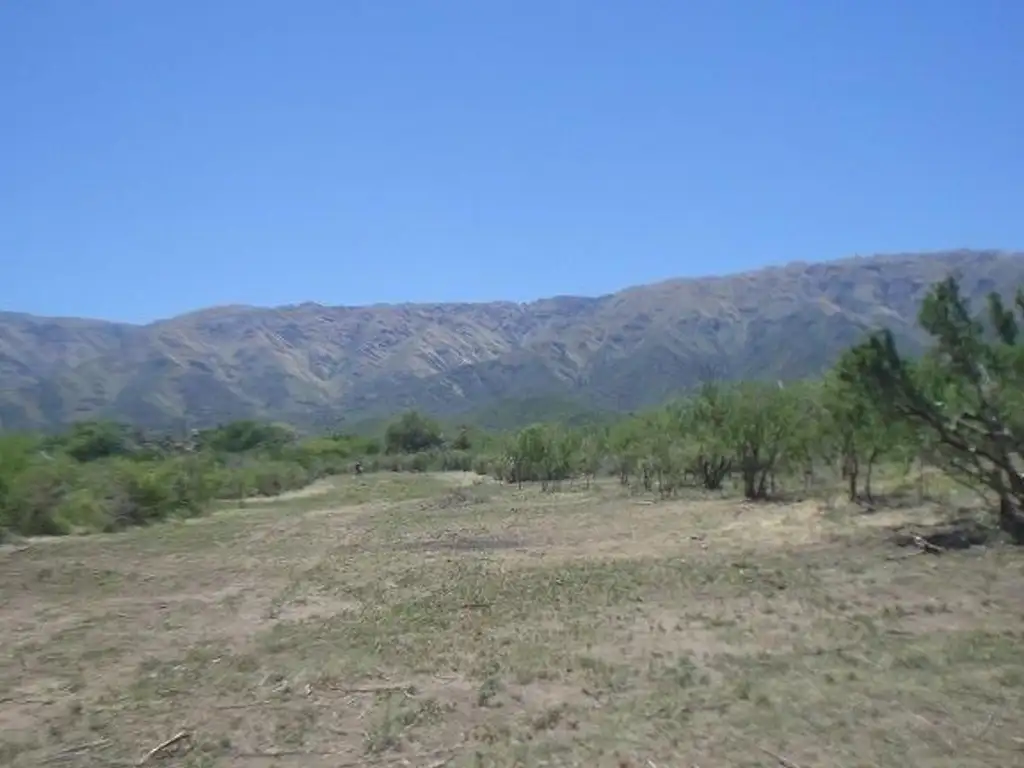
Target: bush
pixel 104 477
pixel 54 496
pixel 34 496
pixel 412 433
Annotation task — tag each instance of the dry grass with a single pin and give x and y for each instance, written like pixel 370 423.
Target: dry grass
pixel 401 620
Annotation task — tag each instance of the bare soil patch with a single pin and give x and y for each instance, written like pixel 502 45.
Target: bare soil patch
pixel 419 620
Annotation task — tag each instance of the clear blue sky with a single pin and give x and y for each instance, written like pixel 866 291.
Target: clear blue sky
pixel 159 156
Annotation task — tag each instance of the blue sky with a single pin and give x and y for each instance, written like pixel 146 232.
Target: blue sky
pixel 167 155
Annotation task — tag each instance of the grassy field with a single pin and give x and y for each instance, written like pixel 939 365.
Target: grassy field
pixel 403 620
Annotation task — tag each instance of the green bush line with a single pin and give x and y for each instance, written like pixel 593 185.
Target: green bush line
pixel 100 477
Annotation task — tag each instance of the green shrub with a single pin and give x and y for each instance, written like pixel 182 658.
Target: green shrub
pixel 83 510
pixel 104 477
pixel 33 495
pixel 146 492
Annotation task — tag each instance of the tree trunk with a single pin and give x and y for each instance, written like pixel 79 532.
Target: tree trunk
pixel 753 475
pixel 872 458
pixel 713 472
pixel 749 483
pixel 1011 519
pixel 755 482
pixel 851 471
pixel 1011 496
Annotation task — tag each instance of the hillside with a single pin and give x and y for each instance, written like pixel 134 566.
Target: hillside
pixel 314 365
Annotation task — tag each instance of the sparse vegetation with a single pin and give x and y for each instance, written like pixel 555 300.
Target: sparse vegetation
pixel 421 617
pixel 102 476
pixel 956 409
pixel 614 595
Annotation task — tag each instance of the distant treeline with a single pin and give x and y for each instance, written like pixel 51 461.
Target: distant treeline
pixel 103 476
pixel 959 408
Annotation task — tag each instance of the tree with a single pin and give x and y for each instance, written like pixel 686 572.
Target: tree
pixel 92 440
pixel 705 422
pixel 463 441
pixel 855 426
pixel 591 454
pixel 625 442
pixel 16 454
pixel 544 452
pixel 965 396
pixel 245 435
pixel 805 442
pixel 412 433
pixel 658 459
pixel 763 421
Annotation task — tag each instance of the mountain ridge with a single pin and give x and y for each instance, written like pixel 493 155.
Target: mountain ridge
pixel 311 364
pixel 726 276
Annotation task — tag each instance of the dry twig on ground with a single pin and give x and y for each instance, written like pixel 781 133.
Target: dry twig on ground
pixel 161 749
pixel 784 762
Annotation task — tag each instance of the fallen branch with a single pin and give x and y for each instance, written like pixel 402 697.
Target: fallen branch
pixel 406 688
pixel 926 546
pixel 379 689
pixel 273 754
pixel 65 753
pixel 250 705
pixel 937 729
pixel 163 747
pixel 16 700
pixel 905 555
pixel 988 724
pixel 784 762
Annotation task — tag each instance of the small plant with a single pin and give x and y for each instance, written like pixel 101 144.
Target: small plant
pixel 489 689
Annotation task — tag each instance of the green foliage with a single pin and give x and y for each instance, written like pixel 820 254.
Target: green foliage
pixel 705 421
pixel 93 440
pixel 960 407
pixel 16 452
pixel 964 398
pixel 245 435
pixel 510 414
pixel 412 432
pixel 856 431
pixel 463 440
pixel 335 449
pixel 764 422
pixel 547 453
pixel 103 477
pixel 32 497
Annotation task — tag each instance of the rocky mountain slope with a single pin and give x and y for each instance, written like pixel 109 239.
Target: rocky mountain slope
pixel 311 364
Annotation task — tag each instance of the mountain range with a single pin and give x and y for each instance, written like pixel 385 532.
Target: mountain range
pixel 318 366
